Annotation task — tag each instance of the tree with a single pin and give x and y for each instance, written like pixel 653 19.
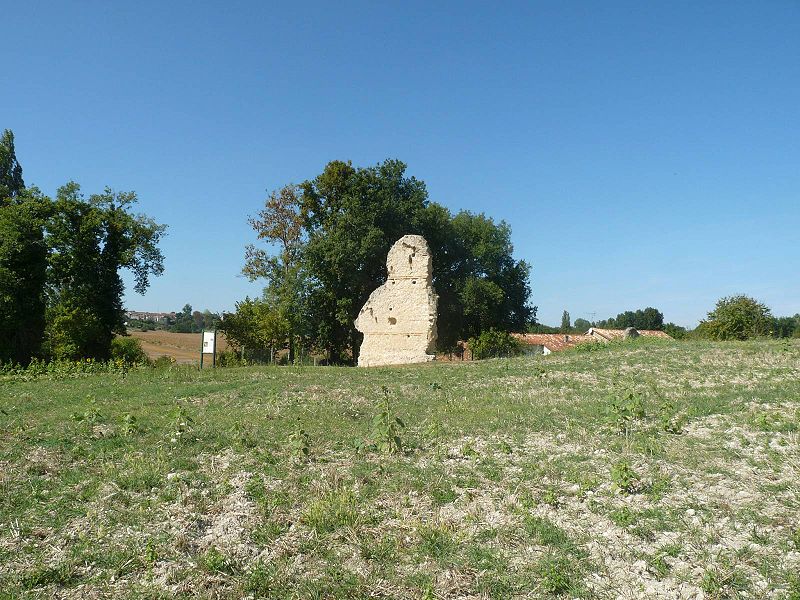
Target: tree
pixel 648 318
pixel 482 300
pixel 737 318
pixel 675 331
pixel 352 216
pixel 23 268
pixel 566 326
pixel 784 327
pixel 185 321
pixel 280 222
pixel 257 326
pixel 90 241
pixel 581 325
pixel 11 183
pixel 23 259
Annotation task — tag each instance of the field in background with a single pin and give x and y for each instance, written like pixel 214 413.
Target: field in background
pixel 637 470
pixel 183 347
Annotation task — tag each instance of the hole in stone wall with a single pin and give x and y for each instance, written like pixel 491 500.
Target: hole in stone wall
pixel 413 281
pixel 392 321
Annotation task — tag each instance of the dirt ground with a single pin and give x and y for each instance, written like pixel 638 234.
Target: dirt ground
pixel 183 347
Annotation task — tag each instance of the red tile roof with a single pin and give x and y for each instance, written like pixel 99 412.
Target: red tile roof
pixel 553 341
pixel 619 334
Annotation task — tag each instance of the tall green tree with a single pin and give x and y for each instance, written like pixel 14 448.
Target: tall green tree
pixel 352 217
pixel 566 324
pixel 280 224
pixel 23 268
pixel 784 327
pixel 23 259
pixel 90 241
pixel 11 183
pixel 581 325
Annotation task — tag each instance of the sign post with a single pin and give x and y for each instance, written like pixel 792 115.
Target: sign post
pixel 209 346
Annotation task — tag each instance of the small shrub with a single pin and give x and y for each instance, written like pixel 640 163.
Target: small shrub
pixel 300 443
pixel 229 358
pixel 624 477
pixel 625 410
pixel 493 344
pixel 386 426
pixel 129 351
pixel 164 362
pixel 129 425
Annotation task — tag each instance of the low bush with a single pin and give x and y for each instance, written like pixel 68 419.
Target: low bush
pixel 493 344
pixel 128 350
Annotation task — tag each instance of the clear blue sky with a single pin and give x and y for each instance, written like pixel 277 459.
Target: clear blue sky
pixel 644 153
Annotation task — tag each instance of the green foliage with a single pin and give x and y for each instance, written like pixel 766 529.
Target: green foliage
pixel 192 321
pixel 230 358
pixel 300 443
pixel 566 326
pixel 557 575
pixel 90 241
pixel 214 561
pixel 675 331
pixel 386 427
pixel 23 264
pixel 647 318
pixel 625 409
pixel 130 425
pixel 280 223
pixel 352 216
pixel 128 350
pixel 736 318
pixel 624 477
pixel 257 325
pixel 581 326
pixel 60 289
pixel 11 183
pixel 786 327
pixel 493 343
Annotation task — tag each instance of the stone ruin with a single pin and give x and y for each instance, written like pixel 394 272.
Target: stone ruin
pixel 399 319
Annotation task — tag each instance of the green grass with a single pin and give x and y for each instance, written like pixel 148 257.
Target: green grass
pixel 634 469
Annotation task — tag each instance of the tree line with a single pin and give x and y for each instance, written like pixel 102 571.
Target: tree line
pixel 60 288
pixel 326 244
pixel 737 317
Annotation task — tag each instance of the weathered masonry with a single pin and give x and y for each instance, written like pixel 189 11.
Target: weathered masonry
pixel 399 318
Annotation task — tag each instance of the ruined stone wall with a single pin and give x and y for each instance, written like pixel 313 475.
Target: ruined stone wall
pixel 399 318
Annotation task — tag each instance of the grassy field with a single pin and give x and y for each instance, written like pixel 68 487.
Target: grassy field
pixel 647 469
pixel 183 347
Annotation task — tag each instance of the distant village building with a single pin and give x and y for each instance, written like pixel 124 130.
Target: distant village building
pixel 155 317
pixel 546 343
